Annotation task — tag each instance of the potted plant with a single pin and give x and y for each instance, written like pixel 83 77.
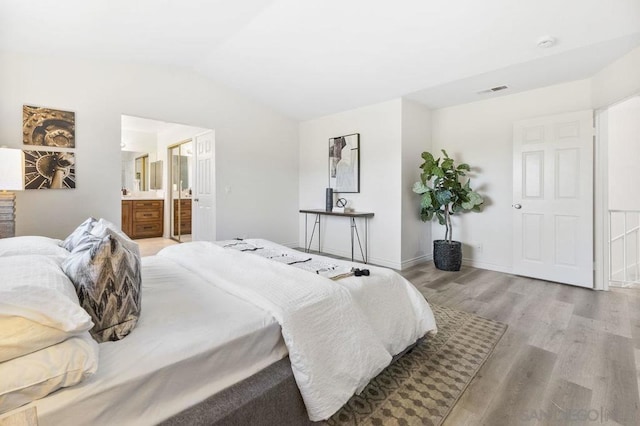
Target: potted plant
pixel 443 194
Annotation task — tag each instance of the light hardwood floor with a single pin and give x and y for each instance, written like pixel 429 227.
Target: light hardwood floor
pixel 151 246
pixel 570 356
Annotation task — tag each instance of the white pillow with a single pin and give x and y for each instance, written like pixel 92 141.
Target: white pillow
pixel 37 374
pixel 37 297
pixel 17 246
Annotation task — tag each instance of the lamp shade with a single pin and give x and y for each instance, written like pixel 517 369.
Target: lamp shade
pixel 11 169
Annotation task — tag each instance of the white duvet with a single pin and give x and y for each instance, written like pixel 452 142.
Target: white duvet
pixel 339 334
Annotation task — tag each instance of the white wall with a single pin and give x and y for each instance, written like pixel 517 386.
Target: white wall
pixel 256 148
pixel 416 138
pixel 379 126
pixel 617 81
pixel 481 134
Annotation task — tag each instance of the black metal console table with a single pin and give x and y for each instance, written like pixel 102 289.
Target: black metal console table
pixel 354 229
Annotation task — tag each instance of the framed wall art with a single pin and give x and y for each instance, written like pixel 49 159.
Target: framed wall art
pixel 344 163
pixel 49 170
pixel 48 127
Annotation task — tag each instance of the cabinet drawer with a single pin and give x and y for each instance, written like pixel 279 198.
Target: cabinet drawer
pixel 150 229
pixel 147 204
pixel 183 204
pixel 185 227
pixel 184 214
pixel 147 215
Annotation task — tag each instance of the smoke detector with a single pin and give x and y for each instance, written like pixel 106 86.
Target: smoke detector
pixel 546 42
pixel 493 89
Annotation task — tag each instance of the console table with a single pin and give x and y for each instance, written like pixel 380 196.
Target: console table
pixel 354 229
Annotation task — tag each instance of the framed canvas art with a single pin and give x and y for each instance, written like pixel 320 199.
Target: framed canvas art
pixel 49 170
pixel 344 163
pixel 48 127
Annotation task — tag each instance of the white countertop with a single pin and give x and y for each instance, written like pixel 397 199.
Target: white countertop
pixel 140 197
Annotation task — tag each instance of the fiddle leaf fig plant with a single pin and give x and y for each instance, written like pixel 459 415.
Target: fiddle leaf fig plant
pixel 443 192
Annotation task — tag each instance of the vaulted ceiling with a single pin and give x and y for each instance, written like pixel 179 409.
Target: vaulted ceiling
pixel 308 58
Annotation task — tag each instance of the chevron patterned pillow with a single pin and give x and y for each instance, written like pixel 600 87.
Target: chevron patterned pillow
pixel 71 241
pixel 107 278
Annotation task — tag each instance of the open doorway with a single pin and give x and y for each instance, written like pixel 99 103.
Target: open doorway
pixel 622 223
pixel 156 193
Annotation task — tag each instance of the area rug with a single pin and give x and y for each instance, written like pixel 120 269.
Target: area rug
pixel 422 387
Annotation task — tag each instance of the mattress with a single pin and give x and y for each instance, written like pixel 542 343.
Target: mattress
pixel 177 356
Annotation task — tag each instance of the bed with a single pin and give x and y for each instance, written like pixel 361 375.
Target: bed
pixel 212 345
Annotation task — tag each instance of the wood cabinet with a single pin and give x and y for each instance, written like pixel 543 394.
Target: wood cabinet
pixel 126 217
pixel 182 216
pixel 143 218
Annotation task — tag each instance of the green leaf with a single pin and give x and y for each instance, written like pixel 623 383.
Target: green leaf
pixel 445 153
pixel 420 188
pixel 441 219
pixel 444 197
pixel 447 164
pixel 426 215
pixel 437 171
pixel 426 201
pixel 475 198
pixel 464 166
pixel 428 157
pixel 467 205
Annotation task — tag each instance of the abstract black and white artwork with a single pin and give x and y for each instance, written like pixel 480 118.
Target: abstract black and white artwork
pixel 344 163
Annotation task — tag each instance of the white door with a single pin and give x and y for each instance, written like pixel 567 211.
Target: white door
pixel 204 211
pixel 553 198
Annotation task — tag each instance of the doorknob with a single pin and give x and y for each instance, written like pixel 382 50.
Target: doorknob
pixel 517 206
pixel 196 200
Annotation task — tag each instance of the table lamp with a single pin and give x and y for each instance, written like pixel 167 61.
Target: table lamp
pixel 11 179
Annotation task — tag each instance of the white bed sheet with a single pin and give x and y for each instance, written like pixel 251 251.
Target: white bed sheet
pixel 176 356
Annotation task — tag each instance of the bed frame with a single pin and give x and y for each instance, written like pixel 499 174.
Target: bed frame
pixel 268 398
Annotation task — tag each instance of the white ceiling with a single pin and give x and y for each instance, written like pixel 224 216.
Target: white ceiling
pixel 315 57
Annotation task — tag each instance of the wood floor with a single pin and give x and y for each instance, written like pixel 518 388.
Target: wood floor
pixel 151 246
pixel 570 355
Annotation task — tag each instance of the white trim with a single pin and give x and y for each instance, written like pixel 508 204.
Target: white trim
pixel 601 202
pixel 416 261
pixel 290 245
pixel 358 259
pixel 486 265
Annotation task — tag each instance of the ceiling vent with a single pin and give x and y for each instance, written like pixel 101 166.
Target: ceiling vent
pixel 493 89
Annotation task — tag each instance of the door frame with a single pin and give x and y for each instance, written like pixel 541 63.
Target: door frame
pixel 601 200
pixel 170 187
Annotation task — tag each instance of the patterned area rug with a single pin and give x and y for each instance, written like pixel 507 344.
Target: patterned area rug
pixel 422 387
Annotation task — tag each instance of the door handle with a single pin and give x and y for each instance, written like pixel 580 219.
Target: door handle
pixel 196 200
pixel 517 206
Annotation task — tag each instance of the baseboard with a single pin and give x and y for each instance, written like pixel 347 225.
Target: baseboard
pixel 358 259
pixel 487 265
pixel 290 245
pixel 416 261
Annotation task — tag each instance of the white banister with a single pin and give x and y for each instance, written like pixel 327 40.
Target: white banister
pixel 624 262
